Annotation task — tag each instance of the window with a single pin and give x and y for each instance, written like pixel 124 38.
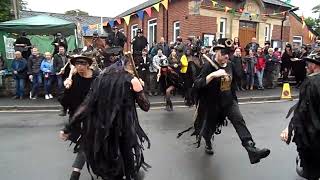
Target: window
pixel 222 30
pixel 267 33
pixel 134 29
pixel 176 30
pixel 297 40
pixel 152 32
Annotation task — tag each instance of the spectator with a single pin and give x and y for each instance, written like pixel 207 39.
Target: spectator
pixel 2 69
pixel 48 71
pixel 164 46
pixel 143 69
pixel 236 44
pixel 23 45
pixel 97 42
pixel 253 46
pixel 19 69
pixel 179 46
pixel 271 71
pixel 267 45
pixel 60 40
pixel 34 72
pixel 174 61
pixel 139 42
pixel 153 50
pixel 192 73
pixel 237 63
pixel 154 70
pixel 59 61
pixel 286 62
pixel 116 38
pixel 260 66
pixel 316 44
pixel 250 69
pixel 299 66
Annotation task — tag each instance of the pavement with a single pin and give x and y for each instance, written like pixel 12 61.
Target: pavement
pixel 30 148
pixel 8 104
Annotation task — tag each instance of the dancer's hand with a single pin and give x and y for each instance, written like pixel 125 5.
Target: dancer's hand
pixel 219 73
pixel 141 82
pixel 67 83
pixel 63 136
pixel 284 135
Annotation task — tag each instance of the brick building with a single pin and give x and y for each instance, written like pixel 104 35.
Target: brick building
pixel 245 19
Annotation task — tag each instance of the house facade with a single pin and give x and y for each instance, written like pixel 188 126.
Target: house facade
pixel 245 19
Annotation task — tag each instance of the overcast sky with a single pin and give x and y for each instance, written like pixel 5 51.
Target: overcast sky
pixel 111 8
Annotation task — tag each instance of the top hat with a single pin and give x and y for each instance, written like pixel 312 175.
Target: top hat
pixel 80 57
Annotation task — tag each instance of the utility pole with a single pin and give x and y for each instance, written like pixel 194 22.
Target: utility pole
pixel 15 8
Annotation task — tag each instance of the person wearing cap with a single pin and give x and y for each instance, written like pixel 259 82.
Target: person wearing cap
pixel 139 42
pixel 217 101
pixel 23 45
pixel 304 127
pixel 60 40
pixel 112 139
pixel 116 38
pixel 74 95
pixel 299 66
pixel 112 54
pixel 286 62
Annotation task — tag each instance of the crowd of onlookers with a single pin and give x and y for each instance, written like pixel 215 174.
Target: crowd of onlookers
pixel 256 67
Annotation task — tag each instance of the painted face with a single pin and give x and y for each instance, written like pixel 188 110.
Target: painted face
pixel 81 66
pixel 222 57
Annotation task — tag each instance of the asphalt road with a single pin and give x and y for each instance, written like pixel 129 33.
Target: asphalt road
pixel 30 149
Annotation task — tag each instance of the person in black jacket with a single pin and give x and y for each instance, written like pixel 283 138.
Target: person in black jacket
pixel 139 43
pixel 77 88
pixel 116 38
pixel 142 66
pixel 60 40
pixel 23 45
pixel 237 62
pixel 34 72
pixel 19 69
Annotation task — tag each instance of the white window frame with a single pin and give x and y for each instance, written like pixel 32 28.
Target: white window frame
pixel 299 42
pixel 175 29
pixel 267 32
pixel 222 34
pixel 154 30
pixel 134 30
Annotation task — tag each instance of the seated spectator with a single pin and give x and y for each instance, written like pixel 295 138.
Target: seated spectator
pixel 34 72
pixel 47 69
pixel 19 69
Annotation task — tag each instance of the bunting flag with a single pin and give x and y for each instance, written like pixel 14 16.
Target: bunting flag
pixel 119 21
pixel 157 6
pixel 140 14
pixel 105 23
pixel 148 11
pixel 127 19
pixel 111 23
pixel 93 26
pixel 226 9
pixel 303 22
pixel 165 3
pixel 214 3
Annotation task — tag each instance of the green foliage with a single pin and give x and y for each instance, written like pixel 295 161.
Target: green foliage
pixel 5 10
pixel 76 12
pixel 313 23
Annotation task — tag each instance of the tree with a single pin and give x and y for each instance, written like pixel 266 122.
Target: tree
pixel 6 9
pixel 313 23
pixel 76 12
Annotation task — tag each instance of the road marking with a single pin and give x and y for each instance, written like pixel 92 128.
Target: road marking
pixel 152 108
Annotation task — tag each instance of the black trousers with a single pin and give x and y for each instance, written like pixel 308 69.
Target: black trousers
pixel 234 115
pixel 310 160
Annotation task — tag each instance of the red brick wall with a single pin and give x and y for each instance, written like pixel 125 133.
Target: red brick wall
pixel 297 30
pixel 276 33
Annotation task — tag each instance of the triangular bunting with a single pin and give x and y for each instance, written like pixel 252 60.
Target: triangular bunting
pixel 105 24
pixel 140 14
pixel 148 11
pixel 119 21
pixel 157 6
pixel 111 23
pixel 127 19
pixel 165 3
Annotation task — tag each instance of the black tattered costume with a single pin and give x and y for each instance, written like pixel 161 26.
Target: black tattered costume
pixel 304 126
pixel 217 101
pixel 112 139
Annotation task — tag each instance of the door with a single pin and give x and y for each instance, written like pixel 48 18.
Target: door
pixel 247 31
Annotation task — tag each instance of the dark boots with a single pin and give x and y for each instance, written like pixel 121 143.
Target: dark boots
pixel 208 148
pixel 256 154
pixel 169 106
pixel 75 175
